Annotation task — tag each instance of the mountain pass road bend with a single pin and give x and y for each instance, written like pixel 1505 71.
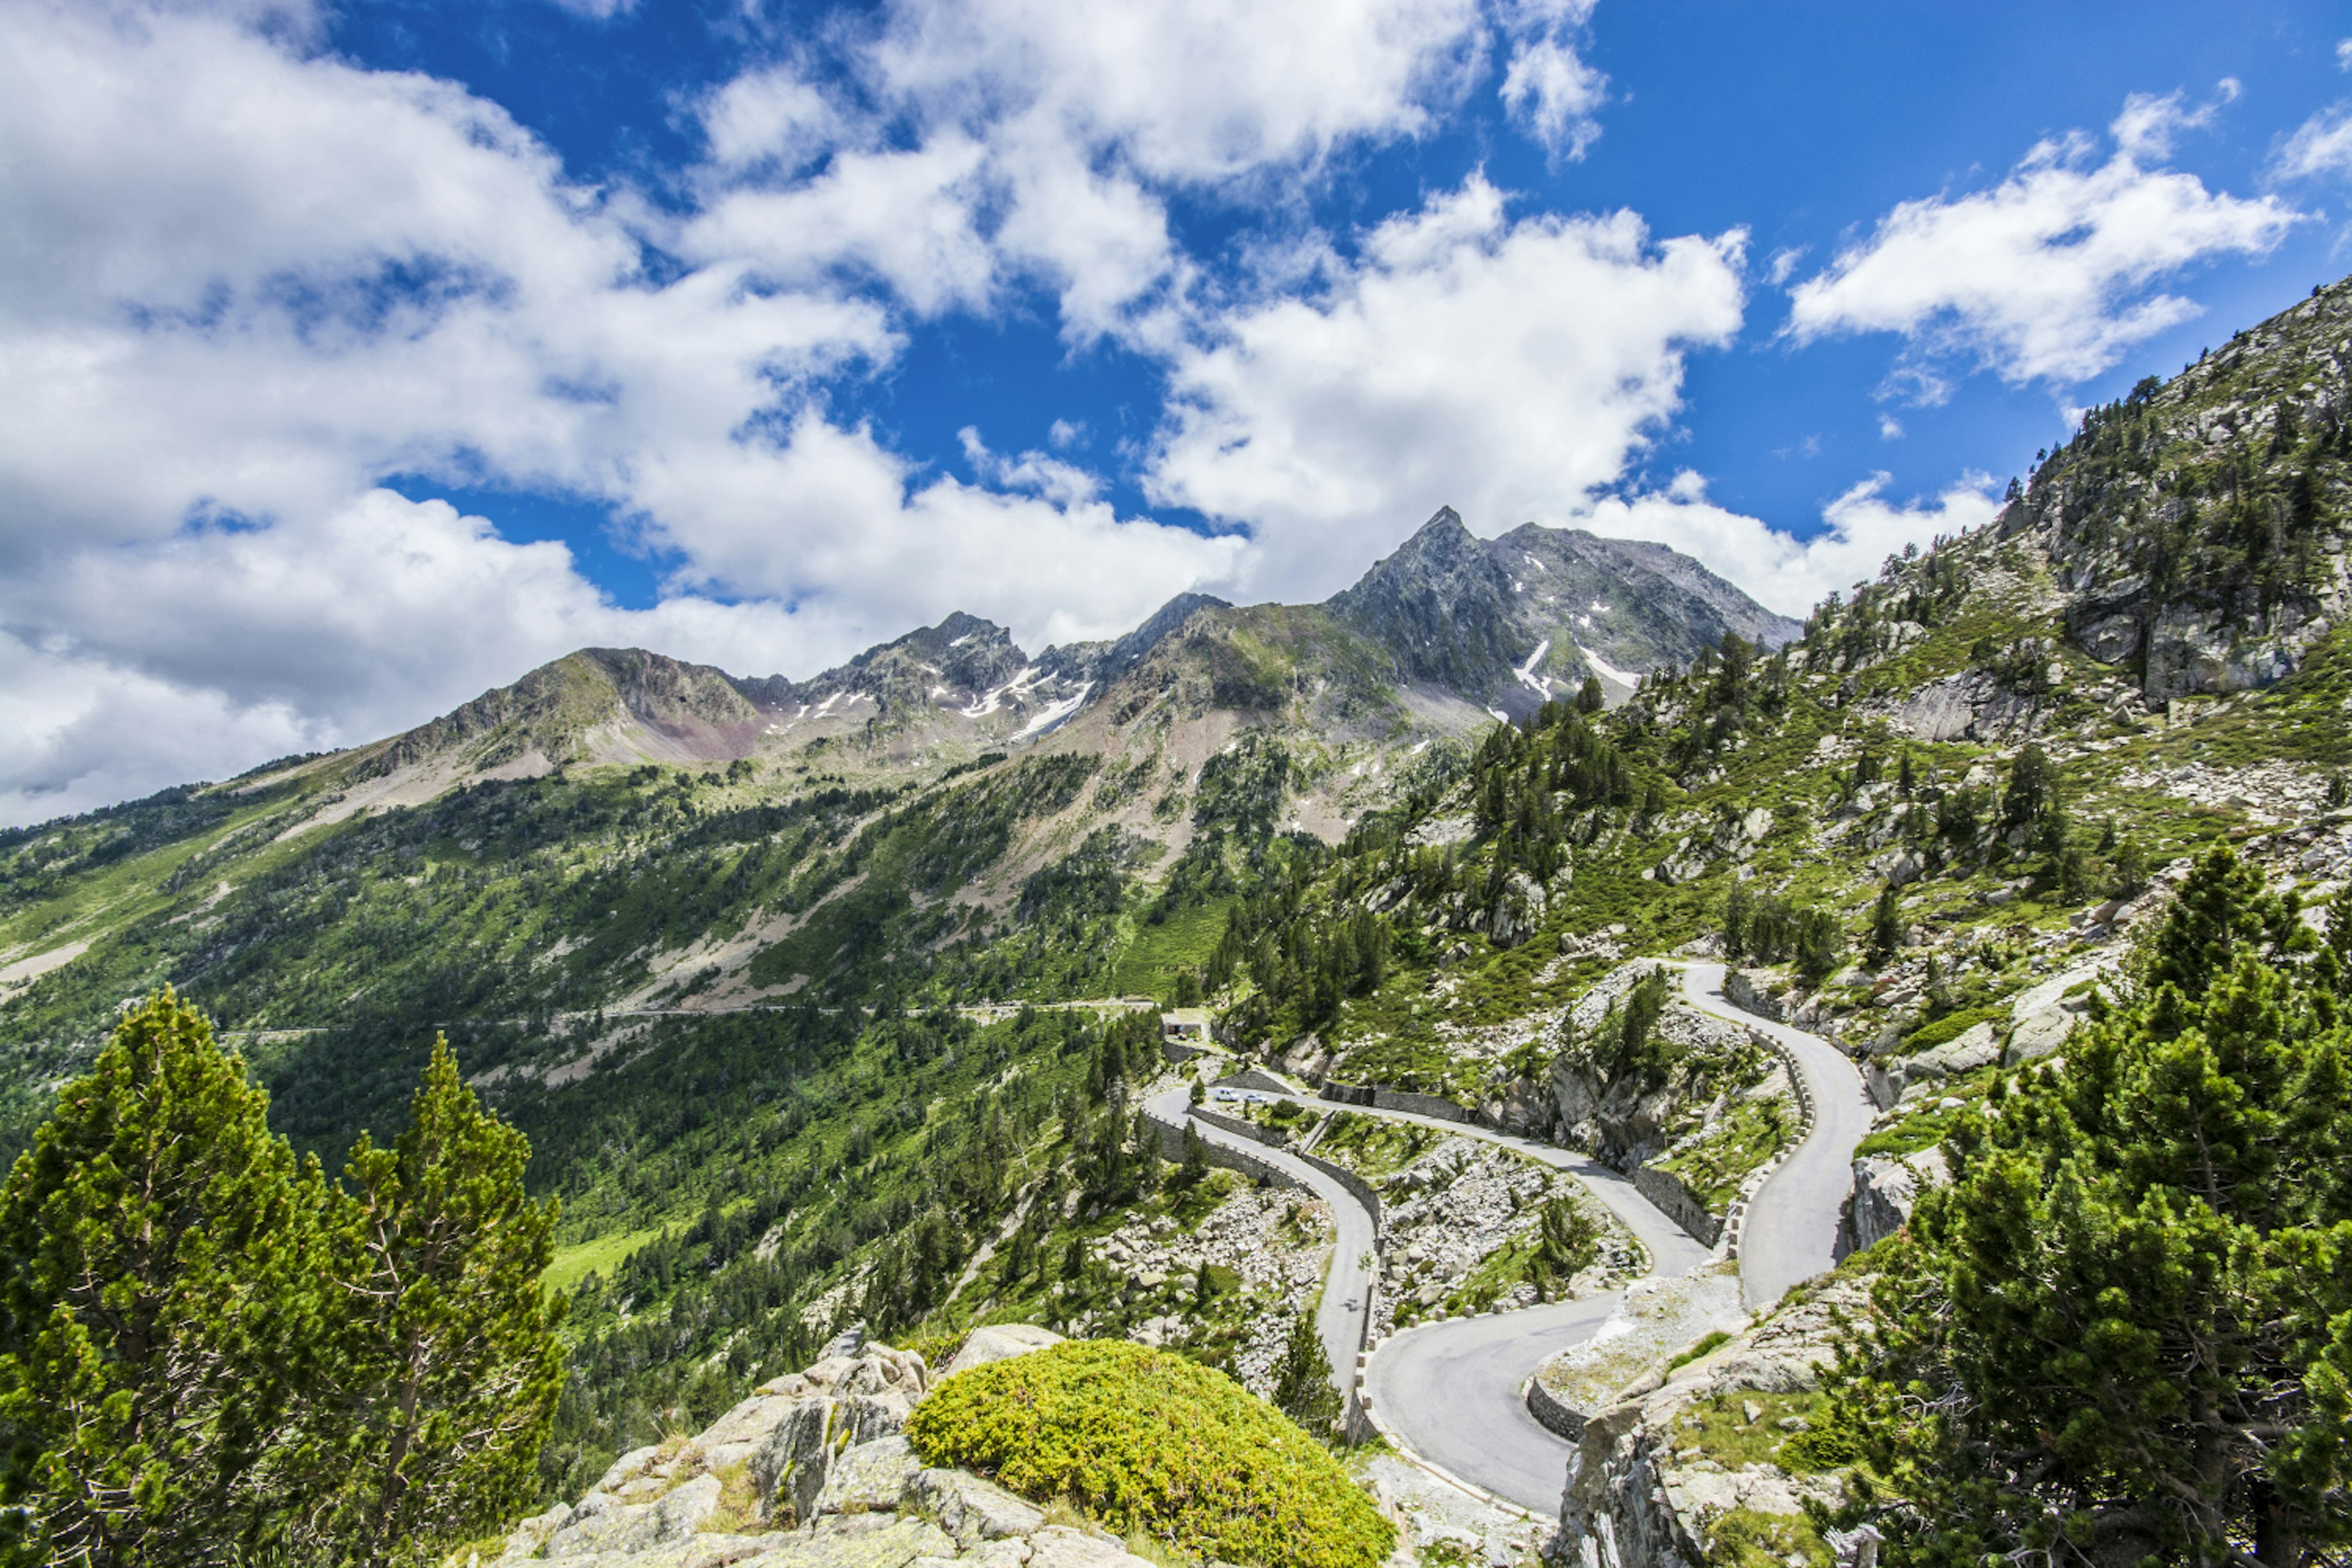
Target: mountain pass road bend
pixel 1449 1391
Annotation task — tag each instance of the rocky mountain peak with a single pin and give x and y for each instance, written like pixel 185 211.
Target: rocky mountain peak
pixel 1440 605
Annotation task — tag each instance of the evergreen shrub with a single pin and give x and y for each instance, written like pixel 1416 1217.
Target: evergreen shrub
pixel 1147 1440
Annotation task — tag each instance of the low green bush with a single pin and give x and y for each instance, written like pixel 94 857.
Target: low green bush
pixel 1146 1441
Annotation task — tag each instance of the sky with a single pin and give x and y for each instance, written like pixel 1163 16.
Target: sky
pixel 356 357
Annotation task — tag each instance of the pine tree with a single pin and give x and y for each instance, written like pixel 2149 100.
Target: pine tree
pixel 1886 932
pixel 1565 1241
pixel 1302 1379
pixel 449 1341
pixel 2120 1334
pixel 160 1305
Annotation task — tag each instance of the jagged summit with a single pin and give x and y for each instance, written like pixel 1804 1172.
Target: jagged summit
pixel 1511 621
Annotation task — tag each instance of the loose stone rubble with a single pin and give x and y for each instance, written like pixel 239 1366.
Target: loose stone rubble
pixel 1278 1242
pixel 1450 1211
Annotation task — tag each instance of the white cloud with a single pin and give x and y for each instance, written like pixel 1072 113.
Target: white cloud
pixel 1185 91
pixel 1506 368
pixel 1860 530
pixel 297 636
pixel 2319 147
pixel 1548 87
pixel 2344 55
pixel 2044 277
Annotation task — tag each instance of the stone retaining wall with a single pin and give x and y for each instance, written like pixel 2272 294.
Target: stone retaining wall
pixel 1670 1197
pixel 1434 1105
pixel 1172 1149
pixel 1551 1414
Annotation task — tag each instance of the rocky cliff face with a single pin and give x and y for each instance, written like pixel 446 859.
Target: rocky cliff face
pixel 2198 528
pixel 1685 1468
pixel 1628 1118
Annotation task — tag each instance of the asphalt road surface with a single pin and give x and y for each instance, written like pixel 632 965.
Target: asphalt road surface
pixel 1791 1233
pixel 1450 1390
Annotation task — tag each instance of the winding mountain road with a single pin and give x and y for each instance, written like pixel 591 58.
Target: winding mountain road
pixel 1450 1391
pixel 1792 1230
pixel 1348 1285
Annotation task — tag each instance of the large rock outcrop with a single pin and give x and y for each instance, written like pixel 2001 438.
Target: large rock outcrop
pixel 813 1471
pixel 1626 1118
pixel 1644 1490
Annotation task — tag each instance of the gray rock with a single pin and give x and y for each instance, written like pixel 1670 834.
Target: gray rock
pixel 790 1466
pixel 688 1507
pixel 861 1540
pixel 999 1342
pixel 1972 1048
pixel 969 1509
pixel 713 1551
pixel 737 1435
pixel 603 1524
pixel 869 1478
pixel 627 1468
pixel 529 1537
pixel 1059 1546
pixel 1885 1193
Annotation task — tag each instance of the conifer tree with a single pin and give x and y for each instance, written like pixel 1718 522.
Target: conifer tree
pixel 449 1341
pixel 1302 1379
pixel 159 1306
pixel 1886 930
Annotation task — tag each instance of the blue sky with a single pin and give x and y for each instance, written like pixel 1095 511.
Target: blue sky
pixel 399 346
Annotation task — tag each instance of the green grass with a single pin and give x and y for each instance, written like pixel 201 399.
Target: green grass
pixel 1925 1127
pixel 600 1255
pixel 1374 1147
pixel 1749 1134
pixel 1149 963
pixel 1149 1441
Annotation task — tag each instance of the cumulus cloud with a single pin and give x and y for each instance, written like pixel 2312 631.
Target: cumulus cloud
pixel 1507 367
pixel 1550 88
pixel 1860 529
pixel 2046 276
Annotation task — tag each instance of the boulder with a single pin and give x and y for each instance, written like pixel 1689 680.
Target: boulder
pixel 734 1436
pixel 1885 1193
pixel 861 1540
pixel 969 1509
pixel 1059 1546
pixel 629 1467
pixel 2043 1016
pixel 603 1523
pixel 1911 1076
pixel 869 1478
pixel 790 1466
pixel 999 1342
